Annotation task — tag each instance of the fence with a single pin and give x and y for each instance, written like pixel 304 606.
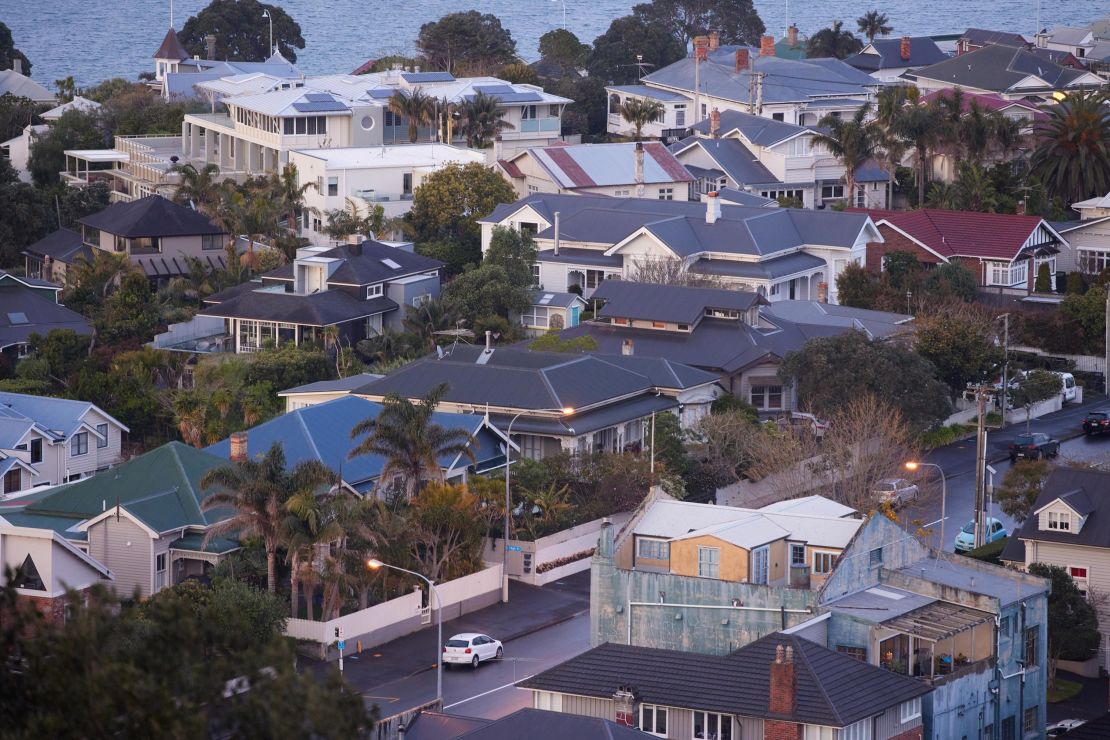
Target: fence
pixel 552 557
pixel 1082 363
pixel 400 616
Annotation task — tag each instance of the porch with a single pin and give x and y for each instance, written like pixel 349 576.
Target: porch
pixel 935 640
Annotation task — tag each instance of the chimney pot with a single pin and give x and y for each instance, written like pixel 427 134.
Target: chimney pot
pixel 210 45
pixel 767 46
pixel 628 347
pixel 905 48
pixel 712 207
pixel 714 123
pixel 743 57
pixel 239 447
pixel 792 36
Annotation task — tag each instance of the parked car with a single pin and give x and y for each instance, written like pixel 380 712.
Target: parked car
pixel 1059 728
pixel 1097 422
pixel 1067 386
pixel 471 648
pixel 896 491
pixel 965 540
pixel 1034 446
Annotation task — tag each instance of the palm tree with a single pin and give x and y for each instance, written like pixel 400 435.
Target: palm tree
pixel 313 520
pixel 833 42
pixel 974 189
pixel 411 443
pixel 197 187
pixel 416 106
pixel 341 223
pixel 918 126
pixel 428 318
pixel 255 216
pixel 639 113
pixel 286 189
pixel 256 491
pixel 1072 157
pixel 874 23
pixel 853 142
pixel 482 121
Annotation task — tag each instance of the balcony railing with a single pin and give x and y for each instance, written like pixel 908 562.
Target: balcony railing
pixel 378 196
pixel 536 125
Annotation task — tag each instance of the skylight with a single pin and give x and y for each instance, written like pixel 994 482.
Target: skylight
pixel 391 264
pixel 18 317
pixel 547 297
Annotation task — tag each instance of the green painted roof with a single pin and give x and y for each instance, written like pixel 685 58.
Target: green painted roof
pixel 43 521
pixel 784 50
pixel 194 542
pixel 160 488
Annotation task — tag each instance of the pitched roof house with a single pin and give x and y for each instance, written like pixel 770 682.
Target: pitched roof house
pixel 1003 250
pixel 535 724
pixel 51 257
pixel 1005 70
pixel 30 306
pixel 47 567
pixel 888 59
pixel 778 686
pixel 1069 526
pixel 14 82
pixel 977 38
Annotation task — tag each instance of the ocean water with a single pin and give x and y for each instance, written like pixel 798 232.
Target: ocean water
pixel 94 40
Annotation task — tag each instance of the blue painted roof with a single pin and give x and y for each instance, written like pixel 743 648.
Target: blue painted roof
pixel 323 432
pixel 18 411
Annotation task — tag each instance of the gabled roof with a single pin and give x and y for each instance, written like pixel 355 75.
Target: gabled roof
pixel 732 157
pixel 553 298
pixel 21 86
pixel 171 47
pixel 63 245
pixel 831 689
pixel 350 383
pixel 150 216
pixel 1099 201
pixel 326 308
pixel 984 37
pixel 1081 490
pixel 671 303
pixel 964 233
pixel 56 418
pixel 651 93
pixel 887 54
pixel 78 103
pixel 735 197
pixel 986 101
pixel 601 165
pixel 23 313
pixel 366 264
pixel 1001 69
pixel 813 504
pixel 756 129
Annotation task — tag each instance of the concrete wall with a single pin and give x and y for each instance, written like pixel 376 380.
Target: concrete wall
pixel 524 564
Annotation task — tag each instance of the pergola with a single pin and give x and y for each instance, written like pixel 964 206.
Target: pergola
pixel 937 639
pixel 91 157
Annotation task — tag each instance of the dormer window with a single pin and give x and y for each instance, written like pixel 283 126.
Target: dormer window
pixel 1060 521
pixel 373 291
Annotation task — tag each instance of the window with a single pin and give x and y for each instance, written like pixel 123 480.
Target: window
pixel 988 732
pixel 775 194
pixel 832 191
pixel 367 123
pixel 211 242
pixel 102 430
pixel 876 557
pixel 301 126
pixel 1008 728
pixel 289 125
pixel 36 451
pixel 1004 627
pixel 858 731
pixel 1080 576
pixel 911 709
pixel 528 112
pixel 13 480
pixel 823 562
pixel 798 147
pixel 653 719
pixel 766 396
pixel 666 193
pixel 680 116
pixel 797 554
pixel 703 109
pixel 712 726
pixel 333 186
pixel 406 183
pixel 420 300
pixel 536 316
pixel 759 565
pixel 1029 721
pixel 535 273
pixel 553 111
pixel 853 652
pixel 778 116
pixel 160 571
pixel 79 445
pixel 1002 273
pixel 375 290
pixel 1091 261
pixel 594 278
pixel 146 244
pixel 1059 520
pixel 392 119
pixel 1031 646
pixel 92 236
pixel 709 562
pixel 652 549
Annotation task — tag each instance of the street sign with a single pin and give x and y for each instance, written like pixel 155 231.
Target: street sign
pixel 339 633
pixel 991 470
pixel 514 548
pixel 342 644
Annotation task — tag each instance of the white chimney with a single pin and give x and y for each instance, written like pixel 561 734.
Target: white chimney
pixel 712 207
pixel 17 66
pixel 556 247
pixel 639 169
pixel 498 147
pixel 627 347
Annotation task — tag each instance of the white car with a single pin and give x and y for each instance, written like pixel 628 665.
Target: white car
pixel 471 648
pixel 896 491
pixel 1063 726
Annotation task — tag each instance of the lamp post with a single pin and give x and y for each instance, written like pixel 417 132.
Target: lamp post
pixel 943 494
pixel 564 2
pixel 375 564
pixel 565 411
pixel 1005 365
pixel 266 14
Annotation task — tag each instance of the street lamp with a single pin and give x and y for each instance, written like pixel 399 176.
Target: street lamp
pixel 943 494
pixel 565 411
pixel 375 564
pixel 266 14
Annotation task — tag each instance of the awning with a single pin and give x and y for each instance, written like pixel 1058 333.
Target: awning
pixel 98 155
pixel 938 621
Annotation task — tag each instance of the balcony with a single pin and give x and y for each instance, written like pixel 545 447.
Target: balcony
pixel 937 641
pixel 551 125
pixel 379 196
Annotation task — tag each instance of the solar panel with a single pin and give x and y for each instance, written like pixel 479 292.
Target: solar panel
pixel 18 317
pixel 382 93
pixel 493 89
pixel 428 77
pixel 318 97
pixel 547 298
pixel 391 264
pixel 519 97
pixel 319 107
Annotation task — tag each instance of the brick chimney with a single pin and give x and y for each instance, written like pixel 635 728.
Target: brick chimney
pixel 210 44
pixel 715 123
pixel 781 689
pixel 714 40
pixel 239 447
pixel 742 58
pixel 792 36
pixel 905 48
pixel 701 48
pixel 712 207
pixel 767 46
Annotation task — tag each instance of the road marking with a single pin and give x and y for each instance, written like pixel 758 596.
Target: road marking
pixel 938 521
pixel 487 693
pixel 390 699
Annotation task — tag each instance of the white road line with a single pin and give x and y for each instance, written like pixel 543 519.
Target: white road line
pixel 938 521
pixel 487 693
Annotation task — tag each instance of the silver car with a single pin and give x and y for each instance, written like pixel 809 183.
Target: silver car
pixel 895 491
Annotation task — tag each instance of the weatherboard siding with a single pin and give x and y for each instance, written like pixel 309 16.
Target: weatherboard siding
pixel 126 549
pixel 733 559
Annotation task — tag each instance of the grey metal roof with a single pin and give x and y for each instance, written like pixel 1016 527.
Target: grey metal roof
pixel 365 264
pixel 831 689
pixel 669 303
pixel 24 312
pixel 539 724
pixel 923 51
pixel 756 129
pixel 983 36
pixel 996 582
pixel 21 86
pixel 649 92
pixel 153 216
pixel 590 257
pixel 879 603
pixel 771 269
pixel 732 156
pixel 744 198
pixel 350 383
pixel 63 245
pixel 878 324
pixel 326 308
pixel 552 298
pixel 590 421
pixel 999 68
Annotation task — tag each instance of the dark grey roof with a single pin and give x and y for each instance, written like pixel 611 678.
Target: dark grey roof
pixel 368 266
pixel 24 312
pixel 171 47
pixel 670 303
pixel 538 724
pixel 744 198
pixel 518 378
pixel 589 421
pixel 732 156
pixel 169 265
pixel 315 309
pixel 923 51
pixel 150 216
pixel 350 383
pixel 572 256
pixel 551 298
pixel 983 37
pixel 1096 729
pixel 998 69
pixel 1084 491
pixel 773 268
pixel 756 129
pixel 649 92
pixel 876 324
pixel 63 245
pixel 439 726
pixel 831 689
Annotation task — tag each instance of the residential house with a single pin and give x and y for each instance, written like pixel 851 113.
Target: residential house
pixel 177 73
pixel 322 391
pixel 974 39
pixel 368 177
pixel 797 91
pixel 143 520
pixel 355 290
pixel 780 686
pixel 773 159
pixel 552 312
pixel 585 240
pixel 51 257
pixel 535 724
pixel 736 335
pixel 676 118
pixel 30 306
pixel 1004 251
pixel 1011 72
pixel 1069 526
pixel 17 150
pixel 46 568
pixel 631 170
pixel 13 82
pixel 794 546
pixel 158 236
pixel 556 402
pixel 888 59
pixel 1088 239
pixel 55 440
pixel 1097 207
pixel 322 432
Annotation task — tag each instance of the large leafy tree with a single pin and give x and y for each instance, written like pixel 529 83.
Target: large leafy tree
pixel 874 23
pixel 16 114
pixel 629 41
pixel 833 41
pixel 958 341
pixel 8 52
pixel 1072 157
pixel 466 43
pixel 486 291
pixel 828 371
pixel 242 34
pixel 853 141
pixel 515 252
pixel 1072 619
pixel 412 443
pixel 1020 487
pixel 26 217
pixel 736 21
pixel 74 130
pixel 563 46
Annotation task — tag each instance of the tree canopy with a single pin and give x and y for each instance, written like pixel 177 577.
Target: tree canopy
pixel 467 42
pixel 833 41
pixel 1072 157
pixel 960 344
pixel 736 21
pixel 563 46
pixel 74 130
pixel 629 39
pixel 8 52
pixel 1020 487
pixel 242 34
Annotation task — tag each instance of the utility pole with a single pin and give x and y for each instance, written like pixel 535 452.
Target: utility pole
pixel 1106 370
pixel 980 463
pixel 759 93
pixel 1005 366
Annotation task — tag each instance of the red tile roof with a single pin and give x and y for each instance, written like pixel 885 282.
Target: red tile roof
pixel 987 102
pixel 963 233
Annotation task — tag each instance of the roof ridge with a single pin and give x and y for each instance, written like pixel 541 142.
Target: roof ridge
pixel 795 640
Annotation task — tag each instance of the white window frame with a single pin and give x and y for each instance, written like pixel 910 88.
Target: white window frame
pixel 1008 275
pixel 1059 521
pixel 78 441
pixel 763 399
pixel 593 278
pixel 856 731
pixel 820 555
pixel 910 710
pixel 797 547
pixel 655 710
pixel 710 557
pixel 722 719
pixel 1082 582
pixel 102 429
pixel 420 300
pixel 375 290
pixel 660 548
pixel 528 113
pixel 1092 261
pixel 161 568
pixel 761 565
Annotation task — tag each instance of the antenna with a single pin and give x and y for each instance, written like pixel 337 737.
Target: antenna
pixel 171 13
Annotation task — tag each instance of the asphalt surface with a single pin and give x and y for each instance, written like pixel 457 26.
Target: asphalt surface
pixel 1089 703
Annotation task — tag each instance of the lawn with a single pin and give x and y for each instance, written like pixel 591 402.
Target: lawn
pixel 1064 690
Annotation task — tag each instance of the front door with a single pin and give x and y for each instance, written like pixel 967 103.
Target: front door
pixel 759 565
pixel 574 315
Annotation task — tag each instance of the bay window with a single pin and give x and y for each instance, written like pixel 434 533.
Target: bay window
pixel 1003 273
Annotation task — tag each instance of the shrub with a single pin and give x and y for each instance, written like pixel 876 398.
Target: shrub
pixel 1076 284
pixel 1043 284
